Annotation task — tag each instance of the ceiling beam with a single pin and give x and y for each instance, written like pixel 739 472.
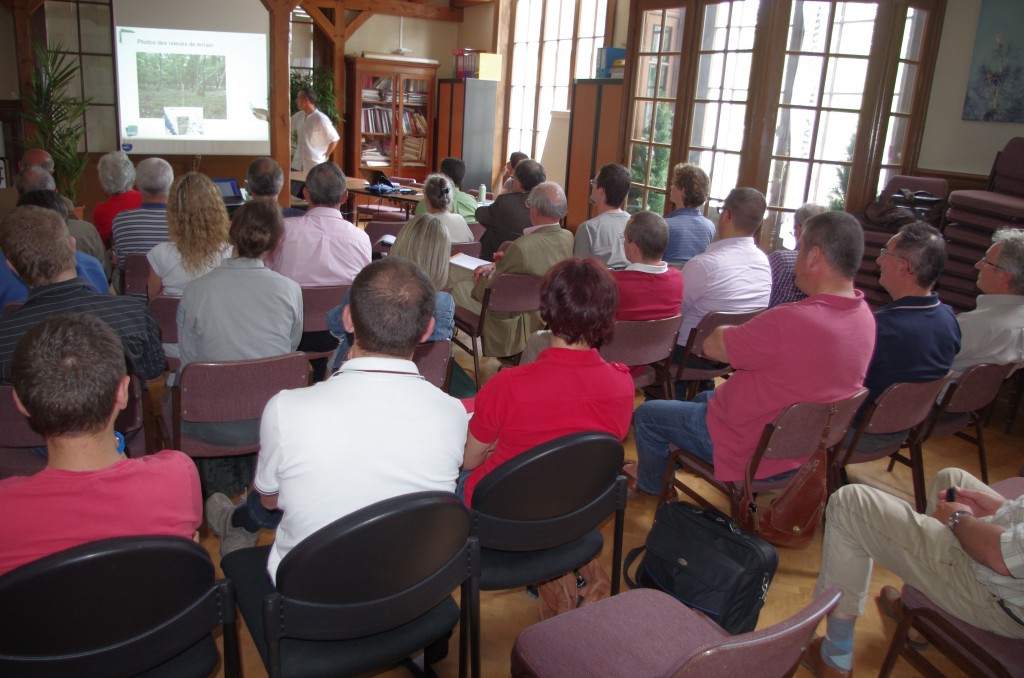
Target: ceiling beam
pixel 394 8
pixel 357 21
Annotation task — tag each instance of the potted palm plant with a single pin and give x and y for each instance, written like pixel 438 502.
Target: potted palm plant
pixel 58 115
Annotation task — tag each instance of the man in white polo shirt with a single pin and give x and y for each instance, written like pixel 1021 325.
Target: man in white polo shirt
pixel 374 430
pixel 314 132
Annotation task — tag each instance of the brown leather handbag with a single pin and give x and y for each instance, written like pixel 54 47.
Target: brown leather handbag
pixel 794 515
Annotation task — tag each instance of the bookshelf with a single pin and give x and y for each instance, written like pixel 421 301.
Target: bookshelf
pixel 390 117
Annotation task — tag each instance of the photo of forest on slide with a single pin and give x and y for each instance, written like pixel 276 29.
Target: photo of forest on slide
pixel 195 80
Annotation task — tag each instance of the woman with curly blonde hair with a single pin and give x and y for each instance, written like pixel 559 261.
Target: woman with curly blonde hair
pixel 197 223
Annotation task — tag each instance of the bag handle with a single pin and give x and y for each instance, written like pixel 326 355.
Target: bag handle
pixel 628 562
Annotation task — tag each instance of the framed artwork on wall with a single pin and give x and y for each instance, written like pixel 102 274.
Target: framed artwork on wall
pixel 995 88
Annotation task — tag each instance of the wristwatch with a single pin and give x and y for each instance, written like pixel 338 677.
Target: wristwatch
pixel 954 519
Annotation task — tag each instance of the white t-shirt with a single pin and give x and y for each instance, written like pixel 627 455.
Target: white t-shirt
pixel 364 435
pixel 165 260
pixel 458 229
pixel 314 133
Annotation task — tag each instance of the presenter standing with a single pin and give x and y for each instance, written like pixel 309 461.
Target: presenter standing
pixel 315 135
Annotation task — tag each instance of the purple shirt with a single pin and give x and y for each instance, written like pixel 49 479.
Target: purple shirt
pixel 321 249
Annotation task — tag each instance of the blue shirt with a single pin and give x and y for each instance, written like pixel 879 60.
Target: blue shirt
pixel 689 234
pixel 916 340
pixel 13 289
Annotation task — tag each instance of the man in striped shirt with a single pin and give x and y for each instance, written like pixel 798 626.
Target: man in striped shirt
pixel 139 231
pixel 38 246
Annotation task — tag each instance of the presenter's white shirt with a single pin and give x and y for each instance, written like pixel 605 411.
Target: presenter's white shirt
pixel 314 133
pixel 372 431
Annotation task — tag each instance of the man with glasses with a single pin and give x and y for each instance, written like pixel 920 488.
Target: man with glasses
pixel 994 331
pixel 602 236
pixel 507 217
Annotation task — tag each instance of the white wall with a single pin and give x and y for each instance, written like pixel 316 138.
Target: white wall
pixel 427 39
pixel 951 144
pixel 477 28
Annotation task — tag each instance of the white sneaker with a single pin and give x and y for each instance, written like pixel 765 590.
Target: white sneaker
pixel 218 518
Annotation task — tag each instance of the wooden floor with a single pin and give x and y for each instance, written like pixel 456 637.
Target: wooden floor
pixel 505 614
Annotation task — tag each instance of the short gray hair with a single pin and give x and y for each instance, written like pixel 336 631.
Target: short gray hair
pixel 264 177
pixel 840 238
pixel 117 173
pixel 154 176
pixel 1011 257
pixel 438 191
pixel 806 211
pixel 34 178
pixel 325 184
pixel 923 247
pixel 549 199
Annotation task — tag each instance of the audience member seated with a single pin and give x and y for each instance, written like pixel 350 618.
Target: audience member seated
pixel 240 310
pixel 140 230
pixel 964 555
pixel 86 265
pixel 37 244
pixel 548 243
pixel 783 261
pixel 506 181
pixel 320 248
pixel 39 158
pixel 373 430
pixel 265 181
pixel 424 242
pixel 69 379
pixel 994 331
pixel 689 231
pixel 649 289
pixel 509 214
pixel 569 389
pixel 463 204
pixel 732 274
pixel 601 237
pixel 197 223
pixel 87 240
pixel 438 193
pixel 816 350
pixel 117 178
pixel 916 335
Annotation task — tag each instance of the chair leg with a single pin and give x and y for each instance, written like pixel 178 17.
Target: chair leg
pixel 476 360
pixel 982 461
pixel 620 520
pixel 917 471
pixel 899 639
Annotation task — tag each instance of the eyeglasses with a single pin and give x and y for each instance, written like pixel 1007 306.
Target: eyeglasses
pixel 593 182
pixel 527 203
pixel 984 261
pixel 886 253
pixel 721 209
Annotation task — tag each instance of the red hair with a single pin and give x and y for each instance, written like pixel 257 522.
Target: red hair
pixel 578 299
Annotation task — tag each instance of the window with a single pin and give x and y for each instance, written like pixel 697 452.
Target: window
pixel 84 31
pixel 553 42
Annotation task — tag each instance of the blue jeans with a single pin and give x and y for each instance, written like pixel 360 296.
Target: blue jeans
pixel 252 515
pixel 660 422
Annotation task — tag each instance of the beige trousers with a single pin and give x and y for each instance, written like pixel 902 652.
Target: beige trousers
pixel 865 525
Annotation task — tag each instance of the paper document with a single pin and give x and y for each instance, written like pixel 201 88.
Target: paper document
pixel 466 261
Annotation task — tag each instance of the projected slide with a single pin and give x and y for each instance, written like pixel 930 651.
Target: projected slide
pixel 192 91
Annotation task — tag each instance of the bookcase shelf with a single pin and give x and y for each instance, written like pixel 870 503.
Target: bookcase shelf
pixel 390 116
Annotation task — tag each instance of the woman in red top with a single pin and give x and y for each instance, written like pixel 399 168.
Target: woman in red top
pixel 117 177
pixel 569 388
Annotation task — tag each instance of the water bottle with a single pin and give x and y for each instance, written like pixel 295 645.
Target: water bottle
pixel 482 194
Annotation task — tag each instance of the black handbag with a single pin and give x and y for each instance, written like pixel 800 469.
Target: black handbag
pixel 703 559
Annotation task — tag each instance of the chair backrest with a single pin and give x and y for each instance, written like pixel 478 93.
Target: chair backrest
pixel 477 229
pixel 976 388
pixel 433 359
pixel 372 570
pixel 642 342
pixel 1008 169
pixel 799 428
pixel 113 607
pixel 470 248
pixel 135 275
pixel 165 312
pixel 903 406
pixel 235 390
pixel 316 302
pixel 377 229
pixel 774 651
pixel 711 322
pixel 513 293
pixel 526 504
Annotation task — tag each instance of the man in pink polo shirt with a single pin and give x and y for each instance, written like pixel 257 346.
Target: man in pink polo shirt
pixel 815 350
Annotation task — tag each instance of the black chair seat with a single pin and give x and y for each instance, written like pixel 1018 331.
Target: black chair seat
pixel 509 569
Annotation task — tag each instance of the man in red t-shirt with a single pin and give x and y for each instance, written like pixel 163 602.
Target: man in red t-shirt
pixel 814 350
pixel 69 379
